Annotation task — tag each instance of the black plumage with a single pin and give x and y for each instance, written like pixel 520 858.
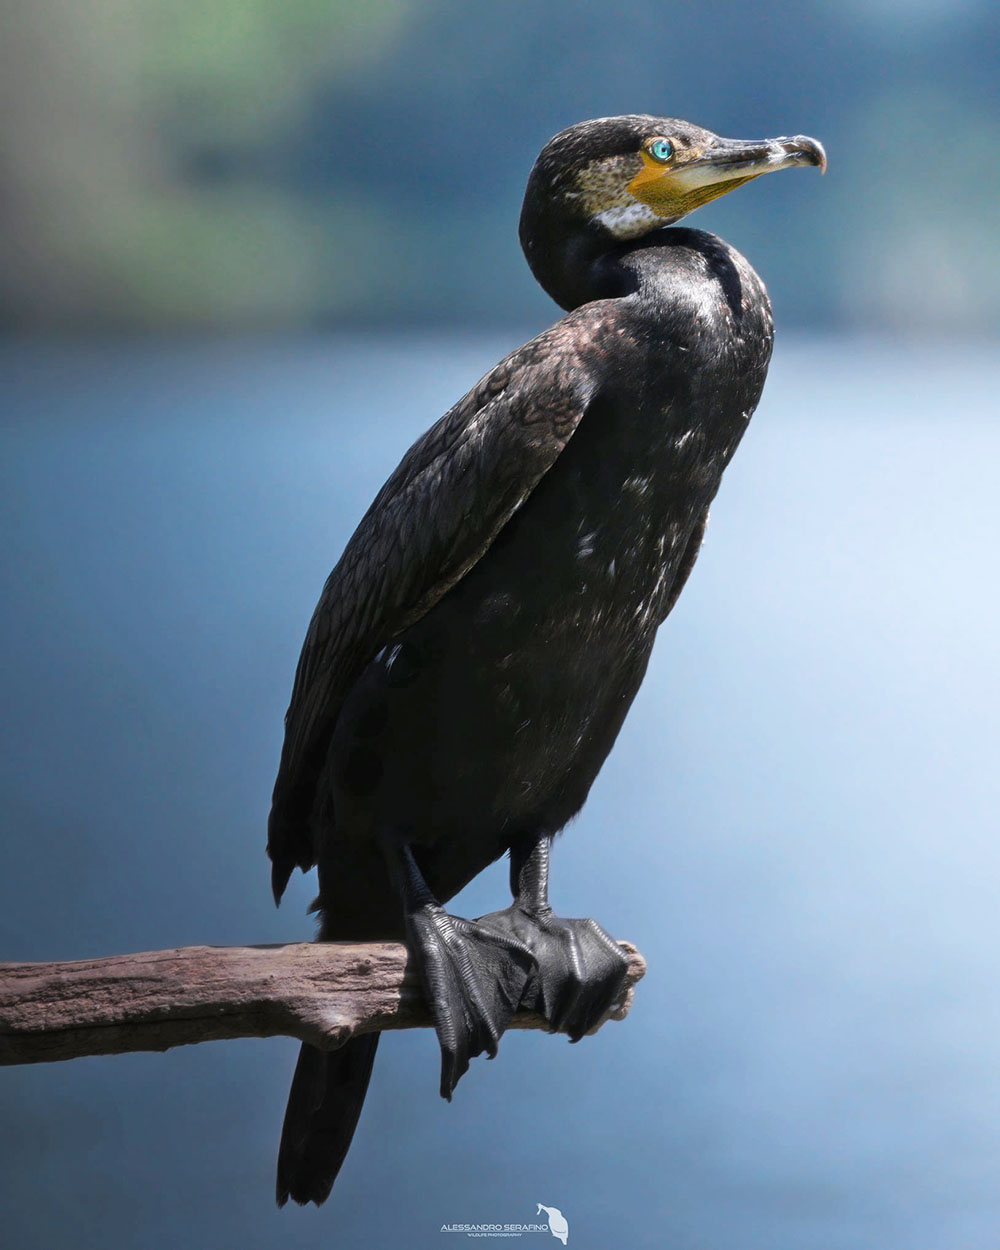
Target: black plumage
pixel 476 649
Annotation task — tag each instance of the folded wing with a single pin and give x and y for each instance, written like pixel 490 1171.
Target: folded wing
pixel 429 524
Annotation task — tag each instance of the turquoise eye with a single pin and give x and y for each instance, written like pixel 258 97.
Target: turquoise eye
pixel 661 150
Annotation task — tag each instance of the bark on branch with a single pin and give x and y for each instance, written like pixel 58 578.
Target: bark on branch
pixel 322 993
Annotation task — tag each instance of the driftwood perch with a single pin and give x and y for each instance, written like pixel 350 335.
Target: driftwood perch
pixel 322 993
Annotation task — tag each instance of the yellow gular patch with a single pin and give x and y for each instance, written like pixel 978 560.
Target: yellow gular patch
pixel 666 190
pixel 651 173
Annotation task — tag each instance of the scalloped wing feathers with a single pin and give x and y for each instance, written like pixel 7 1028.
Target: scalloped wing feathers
pixel 431 522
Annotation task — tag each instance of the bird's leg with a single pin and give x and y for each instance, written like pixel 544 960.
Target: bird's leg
pixel 473 977
pixel 581 969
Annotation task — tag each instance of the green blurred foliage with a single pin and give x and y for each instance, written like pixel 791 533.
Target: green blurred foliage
pixel 233 165
pixel 238 69
pixel 103 105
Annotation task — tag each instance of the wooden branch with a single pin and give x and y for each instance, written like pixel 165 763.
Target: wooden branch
pixel 322 993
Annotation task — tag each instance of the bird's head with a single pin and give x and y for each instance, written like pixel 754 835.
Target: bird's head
pixel 634 174
pixel 618 178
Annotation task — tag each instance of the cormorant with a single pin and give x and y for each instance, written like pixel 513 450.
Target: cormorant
pixel 476 649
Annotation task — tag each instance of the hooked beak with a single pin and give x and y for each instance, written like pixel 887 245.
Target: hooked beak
pixel 728 159
pixel 677 188
pixel 695 175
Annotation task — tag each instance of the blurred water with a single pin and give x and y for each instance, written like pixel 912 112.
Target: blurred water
pixel 798 826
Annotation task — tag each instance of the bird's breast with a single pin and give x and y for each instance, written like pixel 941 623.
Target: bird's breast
pixel 496 709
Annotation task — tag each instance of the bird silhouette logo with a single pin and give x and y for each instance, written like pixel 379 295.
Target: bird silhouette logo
pixel 558 1224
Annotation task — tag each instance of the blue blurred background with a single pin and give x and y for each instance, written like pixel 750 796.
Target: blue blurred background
pixel 249 252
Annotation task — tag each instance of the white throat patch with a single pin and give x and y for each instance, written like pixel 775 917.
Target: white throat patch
pixel 627 221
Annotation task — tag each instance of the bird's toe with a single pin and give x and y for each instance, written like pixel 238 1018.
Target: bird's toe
pixel 474 980
pixel 581 969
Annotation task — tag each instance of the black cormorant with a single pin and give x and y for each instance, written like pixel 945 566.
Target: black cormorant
pixel 476 649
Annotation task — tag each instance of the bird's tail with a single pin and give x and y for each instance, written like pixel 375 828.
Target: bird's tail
pixel 328 1092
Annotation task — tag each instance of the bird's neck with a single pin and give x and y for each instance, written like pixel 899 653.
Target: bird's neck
pixel 576 263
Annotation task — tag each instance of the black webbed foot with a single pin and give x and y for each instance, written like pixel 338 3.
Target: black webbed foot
pixel 474 979
pixel 581 969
